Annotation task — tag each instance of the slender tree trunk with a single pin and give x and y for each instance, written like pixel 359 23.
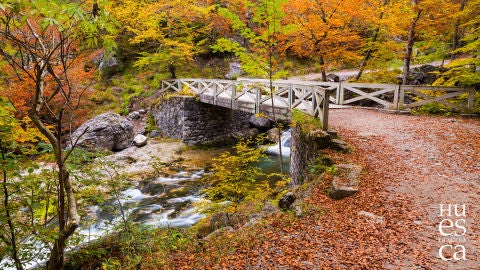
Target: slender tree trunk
pixel 67 225
pixel 322 68
pixel 172 70
pixel 11 227
pixel 365 60
pixel 410 42
pixel 456 30
pixel 363 64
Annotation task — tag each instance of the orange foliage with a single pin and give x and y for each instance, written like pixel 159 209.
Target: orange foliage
pixel 323 29
pixel 73 74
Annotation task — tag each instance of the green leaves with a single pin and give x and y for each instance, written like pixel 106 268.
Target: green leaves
pixel 236 174
pixel 257 49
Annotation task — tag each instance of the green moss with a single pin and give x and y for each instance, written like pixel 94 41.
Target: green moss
pixel 322 164
pixel 381 76
pixel 150 123
pixel 304 121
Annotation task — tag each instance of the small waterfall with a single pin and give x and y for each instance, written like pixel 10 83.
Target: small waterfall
pixel 285 141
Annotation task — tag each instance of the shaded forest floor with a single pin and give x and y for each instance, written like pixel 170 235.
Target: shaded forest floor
pixel 411 165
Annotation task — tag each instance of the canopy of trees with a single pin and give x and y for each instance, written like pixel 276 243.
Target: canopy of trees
pixel 333 34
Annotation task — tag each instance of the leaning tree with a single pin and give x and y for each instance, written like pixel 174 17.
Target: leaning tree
pixel 44 48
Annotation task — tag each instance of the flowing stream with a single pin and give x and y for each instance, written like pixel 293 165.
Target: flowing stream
pixel 157 202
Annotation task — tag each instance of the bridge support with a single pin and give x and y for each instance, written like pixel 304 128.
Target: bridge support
pixel 306 147
pixel 193 122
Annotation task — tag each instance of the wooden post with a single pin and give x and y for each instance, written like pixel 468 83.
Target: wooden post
pixel 179 85
pixel 325 107
pixel 471 99
pixel 257 100
pixel 233 96
pixel 401 98
pixel 314 102
pixel 215 94
pixel 290 97
pixel 342 93
pixel 339 99
pixel 396 93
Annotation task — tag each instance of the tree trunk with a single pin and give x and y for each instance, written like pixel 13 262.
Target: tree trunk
pixel 322 68
pixel 172 69
pixel 67 225
pixel 367 56
pixel 410 42
pixel 6 204
pixel 370 50
pixel 456 35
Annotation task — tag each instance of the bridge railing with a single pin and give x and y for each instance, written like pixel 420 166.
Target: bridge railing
pixel 312 97
pixel 393 96
pixel 257 96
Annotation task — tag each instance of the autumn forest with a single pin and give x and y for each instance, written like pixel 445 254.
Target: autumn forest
pixel 64 62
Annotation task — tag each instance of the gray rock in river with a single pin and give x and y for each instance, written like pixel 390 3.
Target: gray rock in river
pixel 140 140
pixel 106 131
pixel 263 124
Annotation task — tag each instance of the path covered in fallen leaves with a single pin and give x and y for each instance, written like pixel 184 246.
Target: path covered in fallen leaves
pixel 411 165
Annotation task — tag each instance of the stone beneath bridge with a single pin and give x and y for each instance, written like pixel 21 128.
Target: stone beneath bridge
pixel 196 122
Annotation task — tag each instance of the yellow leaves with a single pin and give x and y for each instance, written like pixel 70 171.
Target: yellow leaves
pixel 27 133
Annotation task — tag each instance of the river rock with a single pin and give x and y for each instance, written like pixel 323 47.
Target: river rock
pixel 273 135
pixel 155 133
pixel 133 115
pixel 345 183
pixel 263 124
pixel 286 201
pixel 139 140
pixel 106 131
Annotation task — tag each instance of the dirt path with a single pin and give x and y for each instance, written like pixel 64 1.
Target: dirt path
pixel 346 74
pixel 426 161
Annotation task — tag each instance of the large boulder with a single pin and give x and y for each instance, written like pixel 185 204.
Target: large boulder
pixel 106 131
pixel 261 123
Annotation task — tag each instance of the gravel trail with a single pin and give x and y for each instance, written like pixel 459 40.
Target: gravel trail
pixel 426 161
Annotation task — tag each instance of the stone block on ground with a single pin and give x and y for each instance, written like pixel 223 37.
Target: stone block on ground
pixel 286 201
pixel 133 115
pixel 346 181
pixel 371 216
pixel 340 145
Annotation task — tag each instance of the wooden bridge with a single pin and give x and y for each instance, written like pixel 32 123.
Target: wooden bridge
pixel 314 98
